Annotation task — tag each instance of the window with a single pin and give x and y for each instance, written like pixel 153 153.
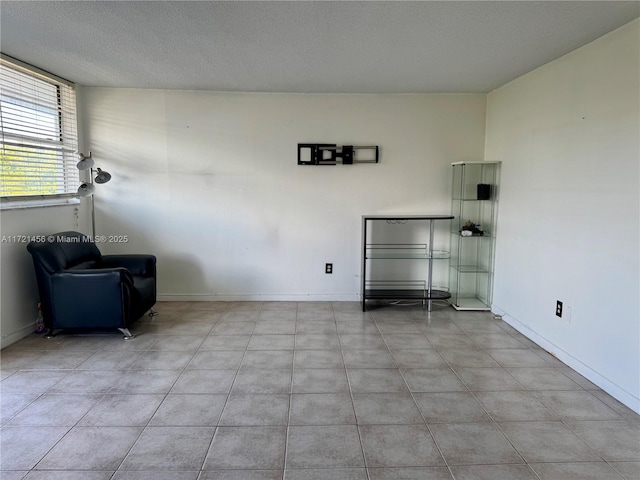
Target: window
pixel 38 135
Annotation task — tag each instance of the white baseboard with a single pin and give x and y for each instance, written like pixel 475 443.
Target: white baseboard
pixel 617 392
pixel 17 335
pixel 253 297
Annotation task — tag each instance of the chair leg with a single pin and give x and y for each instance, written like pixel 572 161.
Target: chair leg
pixel 49 334
pixel 152 313
pixel 127 334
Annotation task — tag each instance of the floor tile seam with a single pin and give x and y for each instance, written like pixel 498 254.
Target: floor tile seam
pixel 413 349
pixel 540 352
pixel 433 437
pixel 35 466
pixel 450 368
pixel 559 421
pixel 129 367
pixel 473 394
pixel 78 367
pixel 485 422
pixel 628 423
pixel 119 469
pixel 235 377
pixel 77 423
pixel 404 379
pixel 133 444
pixel 558 369
pixel 520 455
pixel 39 393
pixel 504 369
pixel 71 372
pixel 528 343
pixel 360 441
pixel 564 417
pixel 287 431
pixel 288 426
pixel 353 403
pixel 493 348
pixel 590 392
pixel 5 421
pixel 531 470
pixel 548 367
pixel 407 465
pixel 560 389
pixel 164 336
pixel 595 462
pixel 334 467
pixel 610 462
pixel 316 424
pixel 20 351
pixel 389 348
pixel 488 464
pixel 165 395
pixel 164 398
pixel 209 313
pixel 210 446
pixel 531 393
pixel 403 466
pixel 566 423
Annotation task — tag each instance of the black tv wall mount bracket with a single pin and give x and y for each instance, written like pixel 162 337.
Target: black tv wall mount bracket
pixel 332 154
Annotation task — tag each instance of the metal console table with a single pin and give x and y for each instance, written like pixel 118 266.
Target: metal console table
pixel 421 289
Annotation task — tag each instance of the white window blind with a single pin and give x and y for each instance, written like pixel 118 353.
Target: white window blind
pixel 39 135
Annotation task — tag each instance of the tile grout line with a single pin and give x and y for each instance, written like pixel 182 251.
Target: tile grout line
pixel 353 406
pixel 293 366
pixel 144 428
pixel 426 424
pixel 218 426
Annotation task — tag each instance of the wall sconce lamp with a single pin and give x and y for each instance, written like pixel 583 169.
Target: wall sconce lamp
pixel 88 189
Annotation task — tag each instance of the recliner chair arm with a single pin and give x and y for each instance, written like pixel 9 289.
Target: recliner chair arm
pixel 114 274
pixel 96 298
pixel 143 265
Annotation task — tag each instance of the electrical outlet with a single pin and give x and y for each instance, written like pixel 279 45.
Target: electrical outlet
pixel 559 309
pixel 328 268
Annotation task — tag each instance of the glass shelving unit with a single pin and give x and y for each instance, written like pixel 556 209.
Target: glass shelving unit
pixel 474 205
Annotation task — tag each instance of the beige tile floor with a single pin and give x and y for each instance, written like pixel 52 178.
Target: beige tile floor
pixel 306 391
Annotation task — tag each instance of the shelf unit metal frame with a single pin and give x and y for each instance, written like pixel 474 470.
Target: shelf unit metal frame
pixel 472 257
pixel 421 290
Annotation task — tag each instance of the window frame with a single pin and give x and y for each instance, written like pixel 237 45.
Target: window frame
pixel 67 117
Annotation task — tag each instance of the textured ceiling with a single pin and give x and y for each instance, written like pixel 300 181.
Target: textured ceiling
pixel 271 46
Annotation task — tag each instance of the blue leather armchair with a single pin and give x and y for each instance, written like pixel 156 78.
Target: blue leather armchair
pixel 82 289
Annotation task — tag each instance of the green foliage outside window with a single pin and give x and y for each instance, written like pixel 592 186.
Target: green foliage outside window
pixel 28 171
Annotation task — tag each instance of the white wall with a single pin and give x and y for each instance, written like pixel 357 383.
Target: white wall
pixel 19 293
pixel 209 182
pixel 568 136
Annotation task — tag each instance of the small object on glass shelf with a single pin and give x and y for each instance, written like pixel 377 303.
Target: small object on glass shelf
pixel 483 191
pixel 470 229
